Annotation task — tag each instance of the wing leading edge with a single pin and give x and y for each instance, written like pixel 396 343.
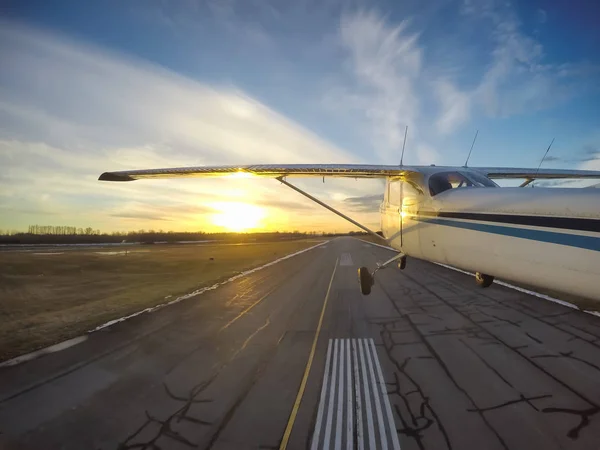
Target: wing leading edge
pixel 535 174
pixel 263 170
pixel 336 170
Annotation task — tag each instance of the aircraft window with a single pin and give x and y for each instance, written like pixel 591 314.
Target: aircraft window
pixel 444 181
pixel 481 180
pixel 394 193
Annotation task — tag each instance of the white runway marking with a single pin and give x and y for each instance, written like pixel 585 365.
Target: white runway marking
pixel 320 412
pixel 355 394
pixel 359 409
pixel 346 260
pixel 388 407
pixel 349 405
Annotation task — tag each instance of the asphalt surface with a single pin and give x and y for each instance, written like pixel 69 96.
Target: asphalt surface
pixel 427 361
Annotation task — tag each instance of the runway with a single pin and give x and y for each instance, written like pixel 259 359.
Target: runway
pixel 294 356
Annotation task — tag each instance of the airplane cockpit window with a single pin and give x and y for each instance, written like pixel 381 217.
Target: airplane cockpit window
pixel 444 181
pixel 481 180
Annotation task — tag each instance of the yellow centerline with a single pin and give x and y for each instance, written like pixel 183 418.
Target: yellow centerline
pixel 294 413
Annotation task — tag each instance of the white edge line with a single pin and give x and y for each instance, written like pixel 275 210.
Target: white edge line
pixel 386 400
pixel 378 245
pixel 44 351
pixel 204 289
pixel 508 285
pixel 79 339
pixel 527 291
pixel 317 432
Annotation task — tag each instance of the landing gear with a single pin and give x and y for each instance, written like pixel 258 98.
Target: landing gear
pixel 483 280
pixel 402 263
pixel 367 279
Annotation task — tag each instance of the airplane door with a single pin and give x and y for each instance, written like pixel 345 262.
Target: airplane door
pixel 392 212
pixel 412 197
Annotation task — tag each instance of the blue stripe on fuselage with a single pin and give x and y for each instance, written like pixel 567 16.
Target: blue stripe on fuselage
pixel 571 240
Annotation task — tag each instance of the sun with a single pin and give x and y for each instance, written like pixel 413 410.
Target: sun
pixel 238 217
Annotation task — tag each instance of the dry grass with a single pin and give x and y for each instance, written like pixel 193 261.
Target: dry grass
pixel 47 298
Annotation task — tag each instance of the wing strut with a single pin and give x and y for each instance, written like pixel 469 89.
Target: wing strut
pixel 333 210
pixel 526 182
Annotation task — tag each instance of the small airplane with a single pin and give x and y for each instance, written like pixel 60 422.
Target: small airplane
pixel 458 216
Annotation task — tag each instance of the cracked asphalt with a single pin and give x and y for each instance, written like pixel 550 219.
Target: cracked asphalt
pixel 464 367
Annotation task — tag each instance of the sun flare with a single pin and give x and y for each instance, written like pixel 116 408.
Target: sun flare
pixel 238 216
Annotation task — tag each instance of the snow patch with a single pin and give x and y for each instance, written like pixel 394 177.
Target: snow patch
pixel 44 351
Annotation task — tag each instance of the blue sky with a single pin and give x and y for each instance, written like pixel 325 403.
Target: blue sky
pixel 93 86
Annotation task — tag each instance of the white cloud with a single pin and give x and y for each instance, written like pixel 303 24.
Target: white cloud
pixel 541 16
pixel 516 80
pixel 69 112
pixel 384 63
pixel 455 106
pixel 592 161
pixel 59 89
pixel 427 154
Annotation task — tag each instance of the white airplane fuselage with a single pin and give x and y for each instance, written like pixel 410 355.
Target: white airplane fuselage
pixel 544 237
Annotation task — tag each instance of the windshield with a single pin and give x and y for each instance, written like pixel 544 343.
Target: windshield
pixel 444 181
pixel 480 180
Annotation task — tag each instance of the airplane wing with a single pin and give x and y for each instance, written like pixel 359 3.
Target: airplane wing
pixel 332 170
pixel 263 170
pixel 534 174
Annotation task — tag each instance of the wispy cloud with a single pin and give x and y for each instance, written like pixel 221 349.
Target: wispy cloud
pixel 517 77
pixel 366 203
pixel 384 62
pixel 140 216
pixel 591 157
pixel 541 16
pixel 93 111
pixel 455 106
pixel 551 158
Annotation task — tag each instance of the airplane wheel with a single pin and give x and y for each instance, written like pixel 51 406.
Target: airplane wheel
pixel 483 280
pixel 366 280
pixel 402 263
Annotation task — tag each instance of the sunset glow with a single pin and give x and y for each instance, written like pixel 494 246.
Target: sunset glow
pixel 238 216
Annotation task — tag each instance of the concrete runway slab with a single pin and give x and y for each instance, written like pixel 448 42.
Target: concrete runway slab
pixel 427 361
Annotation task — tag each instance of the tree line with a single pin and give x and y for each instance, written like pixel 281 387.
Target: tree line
pixel 61 230
pixel 53 234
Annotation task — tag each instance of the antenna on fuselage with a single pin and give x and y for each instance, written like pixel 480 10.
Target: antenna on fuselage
pixel 472 145
pixel 403 145
pixel 544 157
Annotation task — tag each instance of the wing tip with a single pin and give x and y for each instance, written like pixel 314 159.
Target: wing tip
pixel 114 176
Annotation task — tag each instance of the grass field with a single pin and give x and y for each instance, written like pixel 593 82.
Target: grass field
pixel 53 295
